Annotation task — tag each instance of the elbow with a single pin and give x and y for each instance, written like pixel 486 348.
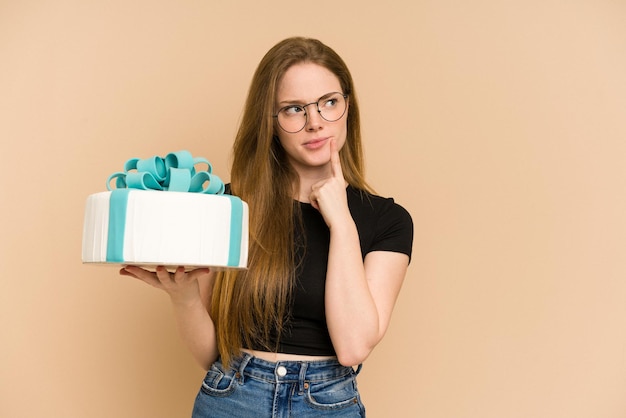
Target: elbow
pixel 351 357
pixel 207 361
pixel 355 350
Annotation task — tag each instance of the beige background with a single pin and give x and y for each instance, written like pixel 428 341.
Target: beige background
pixel 501 126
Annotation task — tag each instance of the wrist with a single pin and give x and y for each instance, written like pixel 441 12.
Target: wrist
pixel 344 225
pixel 185 301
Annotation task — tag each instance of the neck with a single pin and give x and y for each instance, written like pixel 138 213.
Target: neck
pixel 307 178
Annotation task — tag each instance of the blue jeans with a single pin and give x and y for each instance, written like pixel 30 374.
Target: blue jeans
pixel 252 387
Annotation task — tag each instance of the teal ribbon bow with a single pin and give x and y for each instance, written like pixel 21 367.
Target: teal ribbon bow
pixel 176 172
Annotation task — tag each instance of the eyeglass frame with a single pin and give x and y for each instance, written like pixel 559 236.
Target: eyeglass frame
pixel 306 115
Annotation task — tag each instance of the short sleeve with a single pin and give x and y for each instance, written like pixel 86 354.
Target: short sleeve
pixel 394 230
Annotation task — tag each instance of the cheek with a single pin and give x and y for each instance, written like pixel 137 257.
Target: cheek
pixel 342 136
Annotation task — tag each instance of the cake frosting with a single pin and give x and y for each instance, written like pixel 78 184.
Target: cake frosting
pixel 164 211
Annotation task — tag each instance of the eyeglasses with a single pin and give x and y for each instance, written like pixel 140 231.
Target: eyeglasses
pixel 293 118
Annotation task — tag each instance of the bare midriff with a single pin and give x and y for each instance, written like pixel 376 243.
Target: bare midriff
pixel 275 357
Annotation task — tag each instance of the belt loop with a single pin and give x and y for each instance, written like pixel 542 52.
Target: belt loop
pixel 242 365
pixel 302 376
pixel 358 369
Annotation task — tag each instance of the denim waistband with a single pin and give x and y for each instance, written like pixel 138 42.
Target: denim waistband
pixel 291 371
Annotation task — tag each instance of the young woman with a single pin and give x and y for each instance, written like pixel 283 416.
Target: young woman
pixel 327 257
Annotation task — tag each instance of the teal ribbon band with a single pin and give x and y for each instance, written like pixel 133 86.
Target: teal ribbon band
pixel 175 172
pixel 117 225
pixel 236 222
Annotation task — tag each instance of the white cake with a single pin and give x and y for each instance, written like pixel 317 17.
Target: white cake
pixel 166 211
pixel 150 228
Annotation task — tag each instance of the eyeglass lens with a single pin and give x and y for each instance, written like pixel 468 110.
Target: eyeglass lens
pixel 293 118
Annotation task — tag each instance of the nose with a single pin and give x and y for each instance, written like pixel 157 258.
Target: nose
pixel 313 119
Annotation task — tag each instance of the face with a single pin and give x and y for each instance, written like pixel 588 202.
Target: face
pixel 309 149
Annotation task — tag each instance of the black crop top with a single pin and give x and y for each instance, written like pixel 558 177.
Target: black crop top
pixel 382 224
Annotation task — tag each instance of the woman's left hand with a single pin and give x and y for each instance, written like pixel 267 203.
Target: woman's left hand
pixel 329 195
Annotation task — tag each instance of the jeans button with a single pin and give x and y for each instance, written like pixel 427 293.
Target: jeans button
pixel 281 371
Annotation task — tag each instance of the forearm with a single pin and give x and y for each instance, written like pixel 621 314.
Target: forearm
pixel 197 331
pixel 351 312
pixel 190 293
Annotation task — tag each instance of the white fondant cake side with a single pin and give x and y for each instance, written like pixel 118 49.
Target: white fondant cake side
pixel 167 228
pixel 95 228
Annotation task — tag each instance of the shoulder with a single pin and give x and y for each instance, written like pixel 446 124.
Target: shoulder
pixel 383 224
pixel 367 204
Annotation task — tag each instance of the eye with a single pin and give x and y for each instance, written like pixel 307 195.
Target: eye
pixel 293 110
pixel 329 103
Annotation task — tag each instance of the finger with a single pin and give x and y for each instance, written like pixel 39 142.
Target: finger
pixel 163 275
pixel 199 272
pixel 125 272
pixel 335 161
pixel 315 204
pixel 135 271
pixel 140 274
pixel 314 193
pixel 179 274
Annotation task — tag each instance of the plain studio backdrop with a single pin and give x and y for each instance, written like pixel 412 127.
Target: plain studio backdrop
pixel 500 125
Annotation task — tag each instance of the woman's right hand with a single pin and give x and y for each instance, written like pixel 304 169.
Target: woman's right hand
pixel 182 286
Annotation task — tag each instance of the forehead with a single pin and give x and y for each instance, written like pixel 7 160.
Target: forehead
pixel 306 81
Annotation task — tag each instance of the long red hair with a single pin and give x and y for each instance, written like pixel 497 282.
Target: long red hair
pixel 248 306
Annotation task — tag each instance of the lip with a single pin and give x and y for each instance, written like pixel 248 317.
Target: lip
pixel 315 143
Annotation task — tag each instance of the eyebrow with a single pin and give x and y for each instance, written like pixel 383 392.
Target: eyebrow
pixel 294 101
